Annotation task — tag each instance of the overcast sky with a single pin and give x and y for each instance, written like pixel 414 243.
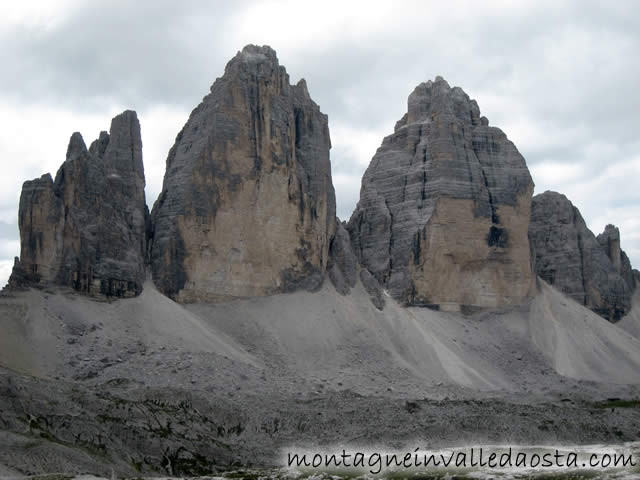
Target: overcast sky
pixel 560 78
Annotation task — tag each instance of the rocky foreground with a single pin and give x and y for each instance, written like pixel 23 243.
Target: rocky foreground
pixel 147 386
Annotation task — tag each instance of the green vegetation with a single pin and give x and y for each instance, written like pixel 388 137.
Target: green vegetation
pixel 619 403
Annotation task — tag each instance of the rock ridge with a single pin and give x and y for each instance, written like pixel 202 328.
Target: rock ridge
pixel 445 217
pixel 592 270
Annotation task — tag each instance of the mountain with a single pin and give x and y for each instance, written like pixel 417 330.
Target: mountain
pixel 444 207
pixel 248 209
pixel 592 271
pixel 247 206
pixel 87 229
pixel 609 240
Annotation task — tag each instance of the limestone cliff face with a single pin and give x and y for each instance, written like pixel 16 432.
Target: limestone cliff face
pixel 247 206
pixel 609 240
pixel 570 257
pixel 342 268
pixel 87 229
pixel 444 207
pixel 40 218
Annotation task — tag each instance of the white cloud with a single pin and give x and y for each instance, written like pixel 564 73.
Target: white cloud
pixel 10 249
pixel 33 141
pixel 159 126
pixel 35 13
pixel 5 272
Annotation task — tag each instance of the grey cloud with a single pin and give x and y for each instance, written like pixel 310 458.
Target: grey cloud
pixel 132 53
pixel 9 243
pixel 8 231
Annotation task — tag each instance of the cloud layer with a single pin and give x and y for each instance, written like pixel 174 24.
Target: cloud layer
pixel 559 78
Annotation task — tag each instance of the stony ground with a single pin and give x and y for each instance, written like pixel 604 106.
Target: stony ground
pixel 89 387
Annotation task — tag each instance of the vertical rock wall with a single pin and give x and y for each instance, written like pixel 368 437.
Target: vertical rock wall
pixel 444 207
pixel 87 228
pixel 247 206
pixel 570 257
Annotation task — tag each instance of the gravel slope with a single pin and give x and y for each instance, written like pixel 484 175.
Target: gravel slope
pixel 147 385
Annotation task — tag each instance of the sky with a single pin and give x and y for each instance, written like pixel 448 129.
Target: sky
pixel 559 78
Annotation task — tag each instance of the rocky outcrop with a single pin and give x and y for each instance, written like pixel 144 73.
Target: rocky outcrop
pixel 247 206
pixel 572 259
pixel 609 240
pixel 444 207
pixel 343 264
pixel 373 288
pixel 87 229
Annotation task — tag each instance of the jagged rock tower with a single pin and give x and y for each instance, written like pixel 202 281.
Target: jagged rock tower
pixel 87 229
pixel 609 240
pixel 444 207
pixel 595 272
pixel 247 206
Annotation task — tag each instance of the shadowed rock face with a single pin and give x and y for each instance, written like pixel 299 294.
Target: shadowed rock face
pixel 444 207
pixel 247 206
pixel 343 264
pixel 610 242
pixel 571 258
pixel 87 229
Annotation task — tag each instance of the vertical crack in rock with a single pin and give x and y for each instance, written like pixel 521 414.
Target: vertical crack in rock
pixel 585 298
pixel 492 206
pixel 384 278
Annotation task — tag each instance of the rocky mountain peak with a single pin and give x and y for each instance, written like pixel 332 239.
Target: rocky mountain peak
pixel 570 257
pixel 258 53
pixel 255 63
pixel 609 240
pixel 247 206
pixel 302 87
pixel 124 145
pixel 433 98
pixel 444 207
pixel 76 146
pixel 99 146
pixel 87 229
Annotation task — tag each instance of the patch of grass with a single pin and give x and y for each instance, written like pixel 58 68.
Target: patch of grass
pixel 619 403
pixel 52 476
pixel 244 474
